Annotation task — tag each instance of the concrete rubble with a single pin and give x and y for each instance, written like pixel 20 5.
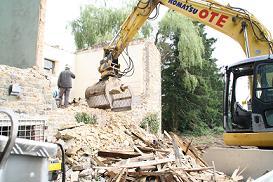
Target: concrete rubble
pixel 119 150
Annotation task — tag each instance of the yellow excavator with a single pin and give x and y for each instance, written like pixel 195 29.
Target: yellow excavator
pixel 247 121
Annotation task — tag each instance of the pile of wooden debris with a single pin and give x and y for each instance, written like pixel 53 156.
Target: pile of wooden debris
pixel 169 159
pixel 122 151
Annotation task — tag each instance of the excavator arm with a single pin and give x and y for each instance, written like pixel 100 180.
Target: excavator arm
pixel 127 32
pixel 131 26
pixel 237 23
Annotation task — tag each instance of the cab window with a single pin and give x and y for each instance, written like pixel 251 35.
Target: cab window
pixel 264 83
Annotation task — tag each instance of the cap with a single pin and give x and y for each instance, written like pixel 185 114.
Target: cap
pixel 67 66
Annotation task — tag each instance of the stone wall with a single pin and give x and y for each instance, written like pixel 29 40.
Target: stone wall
pixel 36 94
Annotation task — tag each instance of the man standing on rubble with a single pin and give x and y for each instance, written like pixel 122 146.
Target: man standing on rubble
pixel 65 84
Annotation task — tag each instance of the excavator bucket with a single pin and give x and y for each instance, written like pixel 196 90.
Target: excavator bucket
pixel 109 94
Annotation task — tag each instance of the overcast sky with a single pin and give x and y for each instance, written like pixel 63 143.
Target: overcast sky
pixel 60 12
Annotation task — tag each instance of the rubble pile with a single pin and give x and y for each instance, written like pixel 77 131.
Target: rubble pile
pixel 122 151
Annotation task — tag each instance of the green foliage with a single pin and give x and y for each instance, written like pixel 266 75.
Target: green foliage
pixel 218 130
pixel 191 83
pixel 100 24
pixel 96 25
pixel 189 44
pixel 151 121
pixel 82 117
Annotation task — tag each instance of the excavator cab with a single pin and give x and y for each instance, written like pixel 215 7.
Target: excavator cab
pixel 248 102
pixel 109 92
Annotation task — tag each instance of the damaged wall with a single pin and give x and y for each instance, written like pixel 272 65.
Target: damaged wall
pixel 35 96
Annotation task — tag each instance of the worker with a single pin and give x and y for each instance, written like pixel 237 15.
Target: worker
pixel 65 84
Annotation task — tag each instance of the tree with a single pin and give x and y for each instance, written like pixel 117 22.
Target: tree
pixel 100 24
pixel 189 75
pixel 212 111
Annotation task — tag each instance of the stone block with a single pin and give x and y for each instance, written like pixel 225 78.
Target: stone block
pixel 75 176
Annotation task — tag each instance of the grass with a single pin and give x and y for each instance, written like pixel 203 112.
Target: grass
pixel 82 117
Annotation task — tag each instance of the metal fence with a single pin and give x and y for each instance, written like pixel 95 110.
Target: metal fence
pixel 28 128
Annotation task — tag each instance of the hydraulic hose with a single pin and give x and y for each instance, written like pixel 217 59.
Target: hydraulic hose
pixel 63 162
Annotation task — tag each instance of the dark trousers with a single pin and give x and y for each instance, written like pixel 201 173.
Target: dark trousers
pixel 64 92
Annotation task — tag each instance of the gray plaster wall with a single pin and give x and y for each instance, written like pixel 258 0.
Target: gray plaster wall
pixel 19 25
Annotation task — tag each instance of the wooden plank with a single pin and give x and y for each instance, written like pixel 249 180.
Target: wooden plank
pixel 111 174
pixel 97 161
pixel 191 152
pixel 177 179
pixel 120 175
pixel 193 169
pixel 142 139
pixel 137 164
pixel 114 154
pixel 167 134
pixel 70 127
pixel 214 175
pixel 149 149
pixel 109 161
pixel 146 168
pixel 146 173
pixel 188 146
pixel 158 166
pixel 139 151
pixel 147 163
pixel 125 176
pixel 165 172
pixel 177 176
pixel 140 158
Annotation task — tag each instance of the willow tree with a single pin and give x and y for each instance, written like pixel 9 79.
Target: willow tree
pixel 185 89
pixel 100 24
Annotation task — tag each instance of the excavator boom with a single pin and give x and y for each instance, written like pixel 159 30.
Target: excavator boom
pixel 237 23
pixel 234 22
